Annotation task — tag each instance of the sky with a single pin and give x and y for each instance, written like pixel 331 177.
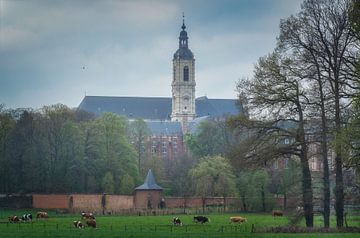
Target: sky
pixel 58 51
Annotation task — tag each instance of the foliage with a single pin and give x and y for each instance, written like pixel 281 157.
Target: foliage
pixel 253 190
pixel 213 176
pixel 138 136
pixel 127 185
pixel 58 149
pixel 107 183
pixel 211 138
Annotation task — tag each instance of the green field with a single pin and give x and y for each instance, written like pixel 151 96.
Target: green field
pixel 153 226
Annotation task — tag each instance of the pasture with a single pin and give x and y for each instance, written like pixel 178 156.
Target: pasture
pixel 152 226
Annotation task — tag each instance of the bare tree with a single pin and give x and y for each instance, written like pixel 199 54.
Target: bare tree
pixel 322 37
pixel 277 99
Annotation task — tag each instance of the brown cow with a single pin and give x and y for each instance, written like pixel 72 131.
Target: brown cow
pixel 91 223
pixel 238 220
pixel 78 224
pixel 13 219
pixel 87 215
pixel 277 213
pixel 42 215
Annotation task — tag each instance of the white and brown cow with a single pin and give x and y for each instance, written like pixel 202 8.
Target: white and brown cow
pixel 238 220
pixel 91 223
pixel 42 215
pixel 87 215
pixel 13 219
pixel 78 224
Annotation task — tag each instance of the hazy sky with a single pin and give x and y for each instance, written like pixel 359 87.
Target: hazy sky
pixel 55 51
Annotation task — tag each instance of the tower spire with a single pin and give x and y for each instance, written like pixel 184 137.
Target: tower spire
pixel 183 25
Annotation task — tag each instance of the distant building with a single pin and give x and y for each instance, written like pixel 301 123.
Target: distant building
pixel 168 118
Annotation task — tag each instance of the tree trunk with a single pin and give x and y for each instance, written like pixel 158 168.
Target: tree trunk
pixel 324 149
pixel 244 203
pixel 203 204
pixel 306 175
pixel 263 198
pixel 339 186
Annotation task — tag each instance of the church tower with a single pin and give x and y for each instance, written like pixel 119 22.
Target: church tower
pixel 183 83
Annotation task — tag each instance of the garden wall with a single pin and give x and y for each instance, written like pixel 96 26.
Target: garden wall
pixel 50 201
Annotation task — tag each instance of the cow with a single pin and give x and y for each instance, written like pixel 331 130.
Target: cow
pixel 13 219
pixel 277 213
pixel 78 224
pixel 27 217
pixel 238 220
pixel 201 219
pixel 177 221
pixel 87 215
pixel 42 215
pixel 91 223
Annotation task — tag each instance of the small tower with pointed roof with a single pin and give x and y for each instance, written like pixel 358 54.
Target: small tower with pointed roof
pixel 148 195
pixel 183 83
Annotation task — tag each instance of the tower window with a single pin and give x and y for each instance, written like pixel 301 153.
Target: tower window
pixel 186 73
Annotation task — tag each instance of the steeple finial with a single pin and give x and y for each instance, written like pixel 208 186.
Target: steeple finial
pixel 183 25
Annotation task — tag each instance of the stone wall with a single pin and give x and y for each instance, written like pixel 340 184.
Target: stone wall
pixel 87 203
pixel 50 201
pixel 115 203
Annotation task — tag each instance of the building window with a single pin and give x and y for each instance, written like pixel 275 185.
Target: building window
pixel 276 164
pixel 186 73
pixel 286 165
pixel 287 141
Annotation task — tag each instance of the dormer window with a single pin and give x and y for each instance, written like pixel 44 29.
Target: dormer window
pixel 186 73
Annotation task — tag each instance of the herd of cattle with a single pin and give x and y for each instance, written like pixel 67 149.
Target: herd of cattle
pixel 27 217
pixel 89 219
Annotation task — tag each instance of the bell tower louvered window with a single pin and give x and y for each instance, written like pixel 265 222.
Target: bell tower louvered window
pixel 186 73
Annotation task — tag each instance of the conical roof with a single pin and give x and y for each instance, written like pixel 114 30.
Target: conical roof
pixel 149 183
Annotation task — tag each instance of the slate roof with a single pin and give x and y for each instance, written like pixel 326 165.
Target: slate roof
pixel 154 108
pixel 184 53
pixel 149 183
pixel 164 127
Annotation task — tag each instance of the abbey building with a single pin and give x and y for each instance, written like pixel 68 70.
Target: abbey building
pixel 168 118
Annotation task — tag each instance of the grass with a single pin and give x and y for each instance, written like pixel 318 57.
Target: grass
pixel 151 226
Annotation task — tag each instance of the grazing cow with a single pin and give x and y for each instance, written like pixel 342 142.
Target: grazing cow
pixel 277 213
pixel 201 219
pixel 42 215
pixel 177 221
pixel 13 219
pixel 78 224
pixel 87 215
pixel 238 220
pixel 91 223
pixel 27 217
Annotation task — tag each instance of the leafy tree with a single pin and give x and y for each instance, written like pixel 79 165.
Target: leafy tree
pixel 139 134
pixel 117 157
pixel 127 184
pixel 211 138
pixel 213 176
pixel 7 124
pixel 179 180
pixel 107 184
